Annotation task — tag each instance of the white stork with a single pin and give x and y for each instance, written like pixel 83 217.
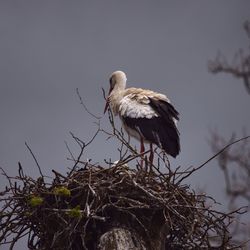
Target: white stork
pixel 145 114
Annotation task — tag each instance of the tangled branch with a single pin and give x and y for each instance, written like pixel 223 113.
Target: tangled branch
pixel 240 67
pixel 75 209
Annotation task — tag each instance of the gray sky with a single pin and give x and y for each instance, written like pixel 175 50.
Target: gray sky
pixel 50 48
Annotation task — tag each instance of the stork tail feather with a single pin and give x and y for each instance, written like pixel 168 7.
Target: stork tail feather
pixel 156 130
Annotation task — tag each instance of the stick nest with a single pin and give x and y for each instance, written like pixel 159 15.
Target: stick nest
pixel 73 211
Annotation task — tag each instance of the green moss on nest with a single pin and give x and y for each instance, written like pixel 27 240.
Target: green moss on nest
pixel 35 201
pixel 75 212
pixel 62 191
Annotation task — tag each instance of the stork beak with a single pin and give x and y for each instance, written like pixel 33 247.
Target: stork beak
pixel 106 106
pixel 107 101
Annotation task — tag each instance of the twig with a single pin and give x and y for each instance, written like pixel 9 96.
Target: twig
pixel 37 164
pixel 85 107
pixel 211 158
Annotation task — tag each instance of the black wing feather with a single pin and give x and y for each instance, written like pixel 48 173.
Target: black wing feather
pixel 164 109
pixel 160 130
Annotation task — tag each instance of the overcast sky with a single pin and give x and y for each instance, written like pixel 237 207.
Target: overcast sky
pixel 50 48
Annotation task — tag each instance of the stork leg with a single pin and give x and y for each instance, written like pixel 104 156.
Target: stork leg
pixel 151 156
pixel 142 150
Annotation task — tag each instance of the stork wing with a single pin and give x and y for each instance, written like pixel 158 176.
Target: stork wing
pixel 164 109
pixel 153 119
pixel 140 103
pixel 136 106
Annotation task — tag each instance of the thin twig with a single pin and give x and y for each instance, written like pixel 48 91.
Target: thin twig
pixel 85 107
pixel 211 158
pixel 37 164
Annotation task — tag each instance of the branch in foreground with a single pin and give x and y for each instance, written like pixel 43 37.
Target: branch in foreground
pixel 83 208
pixel 78 210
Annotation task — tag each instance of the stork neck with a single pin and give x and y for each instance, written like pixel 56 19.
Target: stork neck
pixel 120 86
pixel 117 91
pixel 115 97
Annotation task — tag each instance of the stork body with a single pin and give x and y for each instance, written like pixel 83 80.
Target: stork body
pixel 145 114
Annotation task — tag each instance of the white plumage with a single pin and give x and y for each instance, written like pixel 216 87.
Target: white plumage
pixel 136 108
pixel 146 115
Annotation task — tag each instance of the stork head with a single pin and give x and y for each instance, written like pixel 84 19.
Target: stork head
pixel 117 81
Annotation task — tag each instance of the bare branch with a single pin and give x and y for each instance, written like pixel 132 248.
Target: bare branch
pixel 77 208
pixel 85 107
pixel 37 164
pixel 240 67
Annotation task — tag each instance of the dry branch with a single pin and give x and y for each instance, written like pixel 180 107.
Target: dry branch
pixel 77 210
pixel 240 66
pixel 74 211
pixel 235 165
